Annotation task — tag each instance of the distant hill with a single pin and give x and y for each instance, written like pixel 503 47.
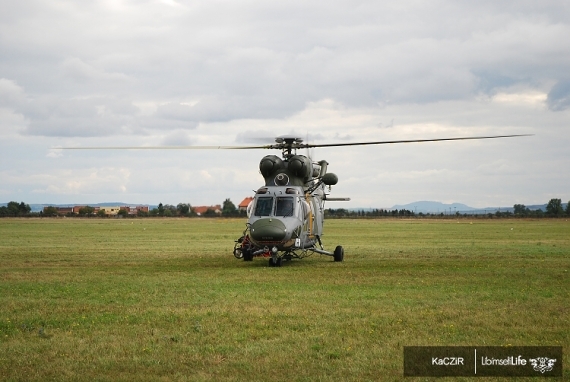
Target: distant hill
pixel 533 207
pixel 438 207
pixel 433 207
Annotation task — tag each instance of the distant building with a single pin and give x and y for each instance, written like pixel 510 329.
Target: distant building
pixel 201 210
pixel 77 208
pixel 60 210
pixel 109 210
pixel 134 210
pixel 244 203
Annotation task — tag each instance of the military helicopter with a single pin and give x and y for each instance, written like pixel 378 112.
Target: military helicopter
pixel 286 215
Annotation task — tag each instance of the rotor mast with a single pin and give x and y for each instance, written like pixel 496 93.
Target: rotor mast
pixel 288 144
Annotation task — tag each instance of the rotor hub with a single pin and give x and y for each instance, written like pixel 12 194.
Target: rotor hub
pixel 288 144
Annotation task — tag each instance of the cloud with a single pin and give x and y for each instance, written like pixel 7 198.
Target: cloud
pixel 79 117
pixel 270 61
pixel 11 122
pixel 176 111
pixel 54 153
pixel 528 97
pixel 93 180
pixel 168 72
pixel 78 70
pixel 11 94
pixel 177 138
pixel 559 96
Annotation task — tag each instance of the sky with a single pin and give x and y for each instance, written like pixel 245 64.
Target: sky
pixel 168 72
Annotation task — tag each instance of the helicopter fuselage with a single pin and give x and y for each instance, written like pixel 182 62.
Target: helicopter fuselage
pixel 285 218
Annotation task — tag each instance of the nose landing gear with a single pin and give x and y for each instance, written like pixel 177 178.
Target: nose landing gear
pixel 275 261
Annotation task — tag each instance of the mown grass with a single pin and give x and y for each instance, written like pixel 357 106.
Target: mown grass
pixel 164 299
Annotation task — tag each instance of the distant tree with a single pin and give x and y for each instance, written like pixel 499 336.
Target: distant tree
pixel 122 212
pixel 86 211
pixel 101 213
pixel 537 213
pixel 15 209
pixel 183 209
pixel 50 211
pixel 210 212
pixel 340 212
pixel 170 210
pixel 160 209
pixel 568 208
pixel 24 209
pixel 520 210
pixel 229 208
pixel 554 208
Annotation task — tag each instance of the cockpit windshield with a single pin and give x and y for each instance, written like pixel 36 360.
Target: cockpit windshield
pixel 284 207
pixel 263 206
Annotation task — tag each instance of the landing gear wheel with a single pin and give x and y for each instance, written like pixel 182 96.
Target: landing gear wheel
pixel 338 254
pixel 247 256
pixel 275 261
pixel 237 253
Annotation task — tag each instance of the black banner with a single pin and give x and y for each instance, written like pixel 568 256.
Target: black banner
pixel 483 361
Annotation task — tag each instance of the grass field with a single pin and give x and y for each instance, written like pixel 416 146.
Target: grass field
pixel 164 299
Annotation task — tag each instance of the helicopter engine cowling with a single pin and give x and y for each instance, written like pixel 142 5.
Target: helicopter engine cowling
pixel 294 171
pixel 300 166
pixel 270 164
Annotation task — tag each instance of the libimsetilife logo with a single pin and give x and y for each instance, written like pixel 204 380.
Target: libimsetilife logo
pixel 542 364
pixel 483 361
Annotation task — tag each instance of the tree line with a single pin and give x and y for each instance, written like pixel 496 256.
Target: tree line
pixel 186 210
pixel 15 209
pixel 554 209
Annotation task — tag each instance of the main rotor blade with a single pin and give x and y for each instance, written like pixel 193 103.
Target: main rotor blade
pixel 281 146
pixel 166 147
pixel 409 141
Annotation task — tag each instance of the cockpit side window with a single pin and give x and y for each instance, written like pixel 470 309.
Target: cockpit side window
pixel 284 207
pixel 263 206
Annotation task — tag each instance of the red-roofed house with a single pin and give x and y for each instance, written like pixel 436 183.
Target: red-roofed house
pixel 244 203
pixel 201 210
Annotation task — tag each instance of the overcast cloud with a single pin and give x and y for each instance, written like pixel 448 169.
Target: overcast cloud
pixel 167 72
